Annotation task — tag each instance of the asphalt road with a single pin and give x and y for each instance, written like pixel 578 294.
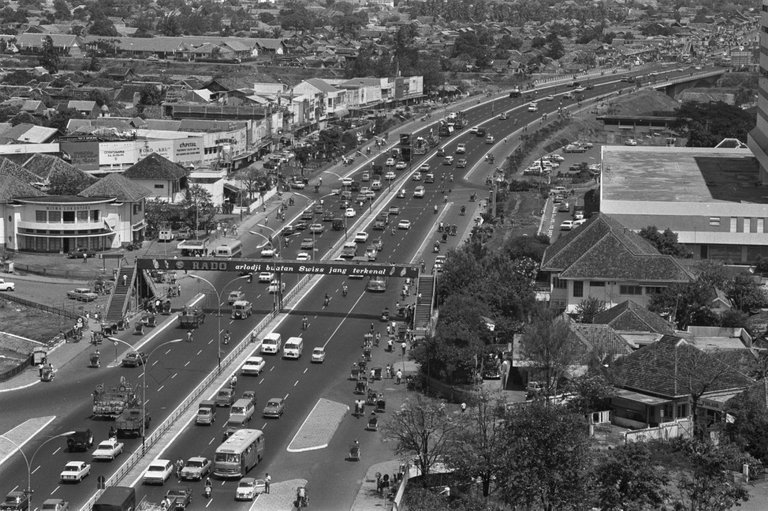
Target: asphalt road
pixel 176 368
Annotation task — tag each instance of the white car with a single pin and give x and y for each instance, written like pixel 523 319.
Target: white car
pixel 474 129
pixel 108 449
pixel 361 237
pixel 419 191
pixel 416 176
pixel 448 160
pixel 550 98
pixel 424 167
pixel 350 213
pixel 274 286
pixel 556 157
pixel 268 251
pixel 316 228
pixel 375 185
pixel 266 276
pixel 404 224
pixel 318 355
pixel 303 256
pixel 390 176
pixel 631 142
pixel 567 225
pixel 248 488
pixel 158 472
pixel 253 366
pixel 577 223
pixel 8 286
pixel 462 148
pixel 346 181
pixel 390 162
pixel 401 165
pixel 75 471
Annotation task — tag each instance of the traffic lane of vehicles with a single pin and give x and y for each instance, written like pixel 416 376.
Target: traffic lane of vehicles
pixel 173 372
pixel 299 381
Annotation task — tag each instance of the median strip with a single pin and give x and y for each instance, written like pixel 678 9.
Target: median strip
pixel 318 428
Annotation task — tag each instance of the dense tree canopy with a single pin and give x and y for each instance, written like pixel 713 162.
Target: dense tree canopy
pixel 665 242
pixel 708 124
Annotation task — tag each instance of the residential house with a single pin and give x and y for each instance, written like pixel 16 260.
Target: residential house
pixel 604 260
pixel 634 324
pixel 164 179
pixel 65 44
pixel 84 108
pixel 324 99
pixel 658 383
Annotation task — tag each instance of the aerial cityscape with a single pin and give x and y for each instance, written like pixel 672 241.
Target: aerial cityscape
pixel 383 255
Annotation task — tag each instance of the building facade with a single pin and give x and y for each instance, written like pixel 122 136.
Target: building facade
pixel 758 137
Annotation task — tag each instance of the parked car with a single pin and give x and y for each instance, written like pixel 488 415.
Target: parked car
pixel 78 253
pixel 82 294
pixel 7 286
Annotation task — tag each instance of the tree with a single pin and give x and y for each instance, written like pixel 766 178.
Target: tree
pixel 478 450
pixel 546 458
pixel 590 393
pixel 589 308
pixel 198 208
pixel 266 17
pixel 750 421
pixel 628 480
pixel 102 26
pixel 151 95
pixel 61 10
pixel 548 346
pixel 49 56
pixel 666 242
pixel 422 428
pixel 685 304
pixel 556 49
pixel 746 293
pixel 707 484
pixel 252 179
pixel 708 124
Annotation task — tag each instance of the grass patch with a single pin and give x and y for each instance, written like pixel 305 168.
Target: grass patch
pixel 30 323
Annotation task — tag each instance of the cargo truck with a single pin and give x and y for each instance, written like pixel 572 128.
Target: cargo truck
pixel 109 404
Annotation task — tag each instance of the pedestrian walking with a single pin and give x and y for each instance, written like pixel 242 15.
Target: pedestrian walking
pixel 403 345
pixel 85 258
pixel 125 280
pixel 373 374
pixel 267 482
pixel 399 376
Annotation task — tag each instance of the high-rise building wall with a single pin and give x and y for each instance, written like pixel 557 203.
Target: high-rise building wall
pixel 758 137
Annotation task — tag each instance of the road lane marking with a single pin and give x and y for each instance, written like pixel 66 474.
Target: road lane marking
pixel 168 351
pixel 199 352
pixel 296 383
pixel 160 388
pixel 56 451
pixel 54 490
pixel 188 361
pixel 155 363
pixel 212 440
pixel 210 501
pixel 306 369
pixel 286 396
pixel 174 375
pixel 36 469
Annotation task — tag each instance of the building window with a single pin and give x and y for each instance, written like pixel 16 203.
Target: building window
pixel 159 186
pixel 597 283
pixel 10 218
pixel 630 290
pixel 714 220
pixel 760 224
pixel 578 289
pixel 40 216
pixel 747 224
pixel 95 215
pixel 734 224
pixel 69 217
pixel 82 216
pixel 653 290
pixel 559 284
pixel 54 217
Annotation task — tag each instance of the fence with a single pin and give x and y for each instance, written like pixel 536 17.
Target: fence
pixel 680 428
pixel 82 275
pixel 47 308
pixel 10 373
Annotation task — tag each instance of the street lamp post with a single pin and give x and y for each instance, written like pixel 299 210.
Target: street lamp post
pixel 218 304
pixel 28 461
pixel 115 340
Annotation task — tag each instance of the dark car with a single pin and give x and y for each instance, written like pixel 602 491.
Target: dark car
pixel 355 186
pixel 379 225
pixel 288 230
pixel 328 216
pixel 80 441
pixel 134 359
pixel 300 226
pixel 307 215
pixel 179 498
pixel 15 501
pixel 79 252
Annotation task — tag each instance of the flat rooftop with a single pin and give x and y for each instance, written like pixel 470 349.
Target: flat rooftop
pixel 681 174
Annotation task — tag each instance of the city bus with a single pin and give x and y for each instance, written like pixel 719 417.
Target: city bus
pixel 229 250
pixel 239 453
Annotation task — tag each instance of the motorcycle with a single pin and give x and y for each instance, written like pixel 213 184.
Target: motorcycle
pixel 463 210
pixel 436 247
pixel 435 208
pixel 344 290
pixel 207 492
pixel 326 301
pixel 95 360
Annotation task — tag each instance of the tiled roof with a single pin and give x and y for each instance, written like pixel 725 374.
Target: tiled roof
pixel 602 339
pixel 664 368
pixel 46 166
pixel 82 105
pixel 118 186
pixel 321 84
pixel 11 169
pixel 155 166
pixel 15 181
pixel 603 249
pixel 631 317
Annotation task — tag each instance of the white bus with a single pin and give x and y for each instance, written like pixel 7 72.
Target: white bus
pixel 239 453
pixel 229 250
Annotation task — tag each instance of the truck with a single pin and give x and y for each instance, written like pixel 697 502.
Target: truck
pixel 109 404
pixel 80 441
pixel 129 422
pixel 420 146
pixel 206 412
pixel 338 224
pixel 55 505
pixel 349 250
pixel 191 318
pixel 116 498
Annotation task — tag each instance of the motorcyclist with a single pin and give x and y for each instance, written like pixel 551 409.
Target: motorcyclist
pixel 226 337
pixel 304 323
pixel 326 300
pixel 233 381
pixel 189 335
pixel 435 208
pixel 344 289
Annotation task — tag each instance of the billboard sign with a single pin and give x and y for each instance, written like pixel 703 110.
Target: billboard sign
pixel 335 268
pixel 117 153
pixel 162 148
pixel 188 150
pixel 83 155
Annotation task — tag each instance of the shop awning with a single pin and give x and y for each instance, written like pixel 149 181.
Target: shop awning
pixel 641 398
pixel 102 234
